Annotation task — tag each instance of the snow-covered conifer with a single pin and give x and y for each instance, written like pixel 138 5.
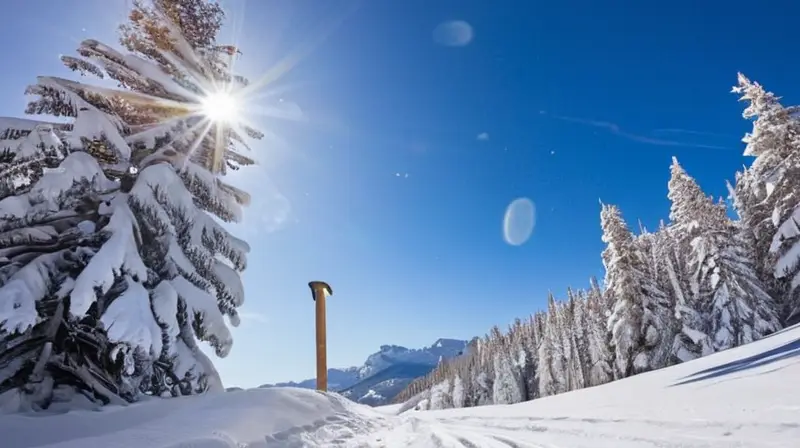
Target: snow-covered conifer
pixel 578 327
pixel 688 222
pixel 120 265
pixel 660 325
pixel 767 197
pixel 550 371
pixel 566 345
pixel 458 394
pixel 530 347
pixel 598 337
pixel 506 388
pixel 729 303
pixel 482 383
pixel 623 284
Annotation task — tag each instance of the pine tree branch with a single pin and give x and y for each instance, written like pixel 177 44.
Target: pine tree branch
pixel 37 375
pixel 25 253
pixel 87 377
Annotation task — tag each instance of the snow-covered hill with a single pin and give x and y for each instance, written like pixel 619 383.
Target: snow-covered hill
pixel 744 397
pixel 385 373
pixel 380 388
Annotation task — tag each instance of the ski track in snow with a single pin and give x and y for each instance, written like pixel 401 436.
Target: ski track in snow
pixel 557 432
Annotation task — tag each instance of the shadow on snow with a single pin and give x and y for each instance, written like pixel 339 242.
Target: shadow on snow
pixel 785 351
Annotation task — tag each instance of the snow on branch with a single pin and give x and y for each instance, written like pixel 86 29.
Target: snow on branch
pixel 45 194
pixel 164 133
pixel 204 233
pixel 26 287
pixel 183 56
pixel 104 94
pixel 231 281
pixel 81 66
pixel 252 133
pixel 242 197
pixel 75 167
pixel 15 128
pixel 135 72
pixel 236 159
pixel 94 117
pixel 190 359
pixel 15 207
pixel 211 194
pixel 41 138
pixel 200 304
pixel 156 75
pixel 27 235
pixel 165 308
pixel 194 237
pixel 236 137
pixel 130 320
pixel 161 176
pixel 112 62
pixel 118 255
pixel 788 232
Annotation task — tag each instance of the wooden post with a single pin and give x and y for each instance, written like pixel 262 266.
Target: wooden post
pixel 319 291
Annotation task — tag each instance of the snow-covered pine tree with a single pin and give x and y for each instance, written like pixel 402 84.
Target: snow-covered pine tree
pixel 520 356
pixel 467 370
pixel 439 395
pixel 550 371
pixel 579 329
pixel 598 337
pixel 47 236
pixel 482 377
pixel 768 193
pixel 624 284
pixel 112 262
pixel 729 300
pixel 672 254
pixel 458 394
pixel 572 373
pixel 530 346
pixel 686 216
pixel 507 387
pixel 763 316
pixel 659 320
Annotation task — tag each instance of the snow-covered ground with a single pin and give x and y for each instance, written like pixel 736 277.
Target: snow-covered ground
pixel 745 397
pixel 389 409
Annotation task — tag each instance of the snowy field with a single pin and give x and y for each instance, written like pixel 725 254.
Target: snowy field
pixel 745 397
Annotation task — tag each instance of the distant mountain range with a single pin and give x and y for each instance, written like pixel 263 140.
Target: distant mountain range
pixel 385 373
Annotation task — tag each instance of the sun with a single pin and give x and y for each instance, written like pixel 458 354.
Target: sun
pixel 220 107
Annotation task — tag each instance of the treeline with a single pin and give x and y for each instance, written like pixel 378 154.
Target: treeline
pixel 699 284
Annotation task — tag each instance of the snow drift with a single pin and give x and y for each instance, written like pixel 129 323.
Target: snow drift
pixel 252 418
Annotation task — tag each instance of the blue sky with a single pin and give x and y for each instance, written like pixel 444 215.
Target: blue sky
pixel 581 100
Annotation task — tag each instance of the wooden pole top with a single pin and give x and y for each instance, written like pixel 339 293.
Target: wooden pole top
pixel 318 286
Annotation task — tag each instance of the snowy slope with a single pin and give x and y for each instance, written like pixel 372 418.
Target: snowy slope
pixel 744 397
pixel 385 373
pixel 275 417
